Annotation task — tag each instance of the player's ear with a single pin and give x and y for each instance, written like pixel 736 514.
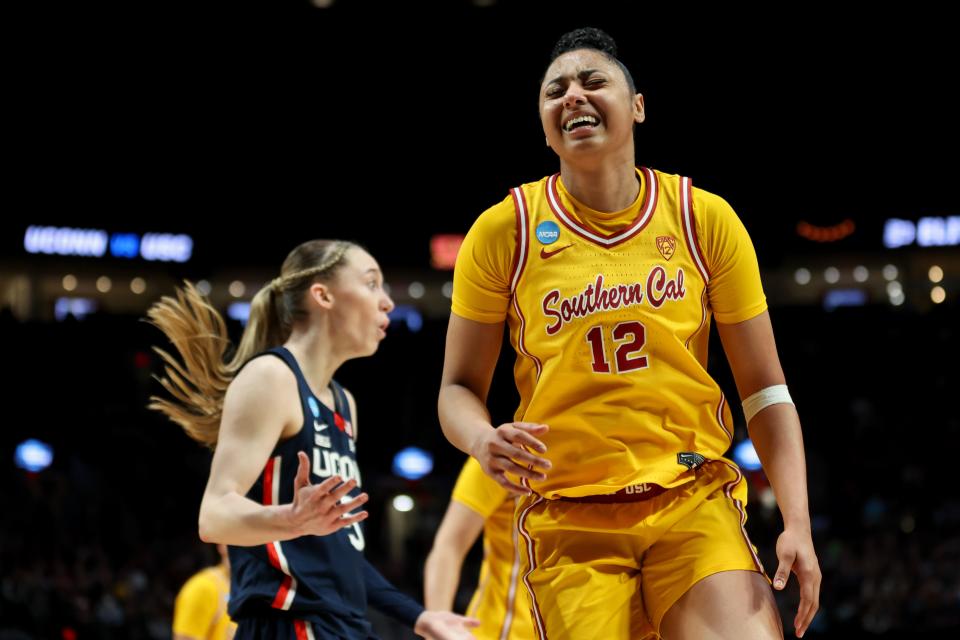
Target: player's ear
pixel 321 294
pixel 639 114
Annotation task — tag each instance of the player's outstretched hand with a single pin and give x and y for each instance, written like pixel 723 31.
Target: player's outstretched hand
pixel 322 509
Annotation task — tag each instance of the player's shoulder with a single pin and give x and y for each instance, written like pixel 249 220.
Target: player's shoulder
pixel 262 380
pixel 266 369
pixel 708 206
pixel 496 220
pixel 710 199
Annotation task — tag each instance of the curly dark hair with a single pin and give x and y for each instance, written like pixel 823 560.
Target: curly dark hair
pixel 592 38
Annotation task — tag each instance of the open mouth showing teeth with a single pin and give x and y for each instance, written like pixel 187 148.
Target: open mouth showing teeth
pixel 580 121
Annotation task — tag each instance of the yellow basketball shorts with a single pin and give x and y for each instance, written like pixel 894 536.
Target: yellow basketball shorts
pixel 501 608
pixel 610 571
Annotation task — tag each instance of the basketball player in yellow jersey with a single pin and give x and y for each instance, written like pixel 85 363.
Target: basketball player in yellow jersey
pixel 632 521
pixel 200 611
pixel 478 503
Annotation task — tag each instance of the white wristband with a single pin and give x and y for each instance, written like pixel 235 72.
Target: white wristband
pixel 777 394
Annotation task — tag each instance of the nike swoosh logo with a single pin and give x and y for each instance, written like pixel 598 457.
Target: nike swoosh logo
pixel 317 426
pixel 549 254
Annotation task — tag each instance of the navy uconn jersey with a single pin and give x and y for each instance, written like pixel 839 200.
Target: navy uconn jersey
pixel 316 578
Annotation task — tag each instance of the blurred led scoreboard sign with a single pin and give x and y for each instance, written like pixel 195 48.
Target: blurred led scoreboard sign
pixel 97 243
pixel 925 232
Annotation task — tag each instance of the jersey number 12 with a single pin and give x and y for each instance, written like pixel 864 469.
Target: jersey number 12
pixel 629 336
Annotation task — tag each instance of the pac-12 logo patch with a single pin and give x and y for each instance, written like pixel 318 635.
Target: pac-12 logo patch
pixel 667 246
pixel 548 232
pixel 690 459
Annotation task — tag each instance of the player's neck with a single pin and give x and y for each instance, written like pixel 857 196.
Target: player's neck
pixel 311 347
pixel 605 186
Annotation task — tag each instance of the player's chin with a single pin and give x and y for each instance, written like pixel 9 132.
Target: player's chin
pixel 593 141
pixel 372 346
pixel 364 347
pixel 582 148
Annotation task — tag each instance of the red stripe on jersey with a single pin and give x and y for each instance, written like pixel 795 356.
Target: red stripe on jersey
pixel 512 589
pixel 519 264
pixel 703 317
pixel 526 235
pixel 723 401
pixel 519 255
pixel 281 597
pixel 300 627
pixel 267 501
pixel 272 555
pixel 521 343
pixel 268 483
pixel 690 228
pixel 531 557
pixel 728 490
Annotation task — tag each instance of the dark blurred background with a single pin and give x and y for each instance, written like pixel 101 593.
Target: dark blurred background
pixel 240 130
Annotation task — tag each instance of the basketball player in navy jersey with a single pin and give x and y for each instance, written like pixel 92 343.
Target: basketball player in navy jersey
pixel 284 483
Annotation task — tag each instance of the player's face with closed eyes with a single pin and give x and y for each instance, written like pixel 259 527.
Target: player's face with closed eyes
pixel 586 105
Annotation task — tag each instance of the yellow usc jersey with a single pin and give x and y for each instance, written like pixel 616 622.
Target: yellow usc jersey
pixel 200 610
pixel 609 314
pixel 499 602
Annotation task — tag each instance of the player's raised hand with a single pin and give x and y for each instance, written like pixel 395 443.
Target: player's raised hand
pixel 322 509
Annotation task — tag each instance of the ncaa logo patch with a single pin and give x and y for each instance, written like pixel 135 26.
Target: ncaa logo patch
pixel 314 407
pixel 548 232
